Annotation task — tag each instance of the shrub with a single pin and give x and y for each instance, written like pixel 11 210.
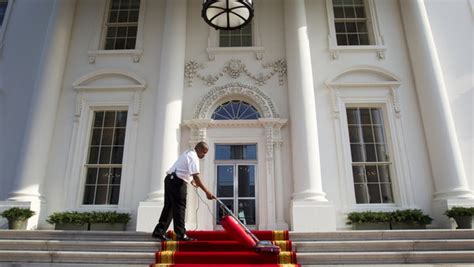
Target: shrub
pixel 75 217
pixel 109 217
pixel 368 216
pixel 72 217
pixel 410 216
pixel 17 213
pixel 459 211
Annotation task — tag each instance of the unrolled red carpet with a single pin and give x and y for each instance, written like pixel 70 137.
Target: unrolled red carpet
pixel 216 248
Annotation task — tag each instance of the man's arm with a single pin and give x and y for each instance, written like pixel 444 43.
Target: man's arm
pixel 198 182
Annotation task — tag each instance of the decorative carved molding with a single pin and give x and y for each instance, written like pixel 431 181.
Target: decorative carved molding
pixel 396 101
pixel 235 68
pixel 335 96
pixel 79 106
pixel 209 100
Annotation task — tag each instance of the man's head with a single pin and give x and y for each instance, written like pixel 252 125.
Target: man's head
pixel 201 149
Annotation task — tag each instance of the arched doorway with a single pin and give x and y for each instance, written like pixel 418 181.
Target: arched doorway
pixel 243 128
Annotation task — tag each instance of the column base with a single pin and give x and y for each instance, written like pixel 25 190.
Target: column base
pixel 312 216
pixel 148 214
pixel 441 205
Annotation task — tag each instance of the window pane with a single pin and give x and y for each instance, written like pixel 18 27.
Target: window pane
pixel 361 193
pixel 384 174
pixel 235 41
pixel 246 174
pixel 104 157
pixel 351 27
pixel 362 27
pixel 114 192
pixel 96 136
pixel 374 193
pixel 109 44
pixel 387 195
pixel 341 39
pixel 370 153
pixel 340 27
pixel 349 12
pixel 225 181
pixel 130 43
pixel 371 172
pixel 132 31
pixel 89 194
pixel 103 178
pixel 367 134
pixel 354 135
pixel 98 118
pixel 360 12
pixel 121 31
pixel 119 137
pixel 379 134
pixel 117 155
pixel 246 211
pixel 236 38
pixel 91 177
pixel 220 212
pixel 359 174
pixel 120 43
pixel 382 154
pixel 116 176
pixel 107 137
pixel 353 39
pixel 338 12
pixel 364 39
pixel 352 116
pixel 109 119
pixel 235 110
pixel 357 153
pixel 365 116
pixel 93 155
pixel 101 195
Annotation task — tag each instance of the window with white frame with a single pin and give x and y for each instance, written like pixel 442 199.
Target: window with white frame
pixel 350 21
pixel 105 155
pixel 3 10
pixel 235 110
pixel 121 25
pixel 236 38
pixel 371 162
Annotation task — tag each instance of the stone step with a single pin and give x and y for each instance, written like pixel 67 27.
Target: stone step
pixel 417 257
pixel 79 245
pixel 305 258
pixel 388 245
pixel 300 246
pixel 295 236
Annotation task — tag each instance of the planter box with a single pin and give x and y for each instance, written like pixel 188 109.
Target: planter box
pixel 71 226
pixel 407 225
pixel 371 226
pixel 464 222
pixel 17 224
pixel 108 226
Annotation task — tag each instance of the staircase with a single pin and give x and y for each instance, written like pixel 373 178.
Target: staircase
pixel 96 248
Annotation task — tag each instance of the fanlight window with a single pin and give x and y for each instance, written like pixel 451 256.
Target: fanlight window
pixel 235 110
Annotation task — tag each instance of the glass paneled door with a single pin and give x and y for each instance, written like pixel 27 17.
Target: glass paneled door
pixel 236 178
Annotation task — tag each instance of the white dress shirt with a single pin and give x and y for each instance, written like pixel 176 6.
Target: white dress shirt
pixel 186 165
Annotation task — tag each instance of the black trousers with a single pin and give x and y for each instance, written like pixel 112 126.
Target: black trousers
pixel 175 206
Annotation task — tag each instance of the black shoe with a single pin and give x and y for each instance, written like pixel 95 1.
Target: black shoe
pixel 160 237
pixel 185 238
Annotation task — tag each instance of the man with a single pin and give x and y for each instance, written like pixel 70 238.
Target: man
pixel 184 171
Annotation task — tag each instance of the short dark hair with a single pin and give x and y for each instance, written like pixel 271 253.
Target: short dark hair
pixel 201 145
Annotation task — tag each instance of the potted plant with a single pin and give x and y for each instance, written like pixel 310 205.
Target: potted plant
pixel 464 217
pixel 109 221
pixel 69 220
pixel 369 220
pixel 409 219
pixel 17 217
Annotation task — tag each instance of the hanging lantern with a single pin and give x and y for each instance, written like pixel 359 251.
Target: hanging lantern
pixel 227 14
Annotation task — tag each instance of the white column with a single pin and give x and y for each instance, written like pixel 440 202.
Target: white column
pixel 31 169
pixel 443 148
pixel 168 110
pixel 310 208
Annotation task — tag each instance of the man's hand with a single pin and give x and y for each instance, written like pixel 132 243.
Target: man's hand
pixel 210 196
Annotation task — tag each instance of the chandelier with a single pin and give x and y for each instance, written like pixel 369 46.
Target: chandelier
pixel 227 14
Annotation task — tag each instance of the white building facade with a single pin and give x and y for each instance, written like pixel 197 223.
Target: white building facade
pixel 316 109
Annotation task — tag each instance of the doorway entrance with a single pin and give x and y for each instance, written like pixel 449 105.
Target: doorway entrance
pixel 236 173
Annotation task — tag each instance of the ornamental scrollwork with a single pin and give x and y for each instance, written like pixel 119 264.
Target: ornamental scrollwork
pixel 234 69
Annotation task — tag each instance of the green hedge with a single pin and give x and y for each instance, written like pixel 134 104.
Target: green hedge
pixel 75 217
pixel 17 213
pixel 410 215
pixel 459 211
